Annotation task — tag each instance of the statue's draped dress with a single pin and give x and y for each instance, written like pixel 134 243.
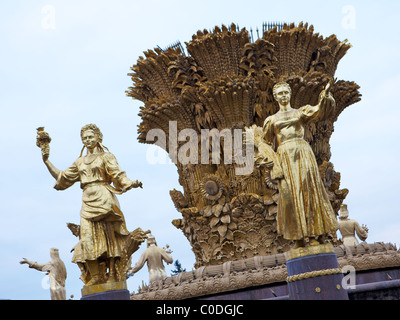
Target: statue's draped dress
pixel 102 224
pixel 304 209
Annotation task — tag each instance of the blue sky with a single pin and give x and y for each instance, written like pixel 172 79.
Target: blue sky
pixel 69 69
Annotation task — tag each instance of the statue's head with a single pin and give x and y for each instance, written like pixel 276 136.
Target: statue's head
pixel 91 129
pixel 92 137
pixel 151 240
pixel 54 254
pixel 344 213
pixel 282 92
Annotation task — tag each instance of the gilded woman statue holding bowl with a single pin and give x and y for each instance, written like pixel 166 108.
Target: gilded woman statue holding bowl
pixel 102 232
pixel 304 211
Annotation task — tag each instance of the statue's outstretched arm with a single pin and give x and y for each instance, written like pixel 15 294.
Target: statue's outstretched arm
pixel 166 257
pixel 139 265
pixel 323 109
pixel 326 102
pixel 52 169
pixel 32 264
pixel 362 232
pixel 118 177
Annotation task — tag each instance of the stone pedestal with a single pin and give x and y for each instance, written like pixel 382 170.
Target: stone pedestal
pixel 106 291
pixel 314 274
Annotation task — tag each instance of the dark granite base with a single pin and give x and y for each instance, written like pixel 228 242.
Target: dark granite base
pixel 317 283
pixel 108 295
pixel 381 284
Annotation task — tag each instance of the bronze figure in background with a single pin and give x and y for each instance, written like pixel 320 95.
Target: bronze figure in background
pixel 349 228
pixel 154 257
pixel 56 271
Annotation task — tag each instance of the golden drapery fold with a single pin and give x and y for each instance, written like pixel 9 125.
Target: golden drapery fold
pixel 102 226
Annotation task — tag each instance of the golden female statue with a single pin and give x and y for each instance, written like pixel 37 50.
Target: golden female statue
pixel 102 232
pixel 304 211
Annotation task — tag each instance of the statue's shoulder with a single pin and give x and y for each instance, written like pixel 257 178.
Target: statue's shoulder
pixel 79 160
pixel 107 155
pixel 269 121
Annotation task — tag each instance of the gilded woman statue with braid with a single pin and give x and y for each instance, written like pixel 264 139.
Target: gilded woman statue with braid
pixel 102 231
pixel 304 211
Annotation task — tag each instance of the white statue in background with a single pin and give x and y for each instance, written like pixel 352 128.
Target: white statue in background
pixel 154 257
pixel 349 228
pixel 56 271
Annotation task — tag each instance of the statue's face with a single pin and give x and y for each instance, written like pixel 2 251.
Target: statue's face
pixel 89 139
pixel 282 95
pixel 344 214
pixel 151 241
pixel 54 253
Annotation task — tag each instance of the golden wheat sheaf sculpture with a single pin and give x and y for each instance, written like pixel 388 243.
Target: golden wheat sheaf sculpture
pixel 225 82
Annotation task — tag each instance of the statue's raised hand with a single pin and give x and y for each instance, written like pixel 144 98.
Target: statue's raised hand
pixel 326 94
pixel 45 154
pixel 43 142
pixel 327 88
pixel 133 184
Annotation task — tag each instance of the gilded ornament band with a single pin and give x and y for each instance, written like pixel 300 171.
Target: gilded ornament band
pixel 313 274
pixel 103 287
pixel 308 251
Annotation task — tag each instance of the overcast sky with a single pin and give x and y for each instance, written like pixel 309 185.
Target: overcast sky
pixel 64 64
